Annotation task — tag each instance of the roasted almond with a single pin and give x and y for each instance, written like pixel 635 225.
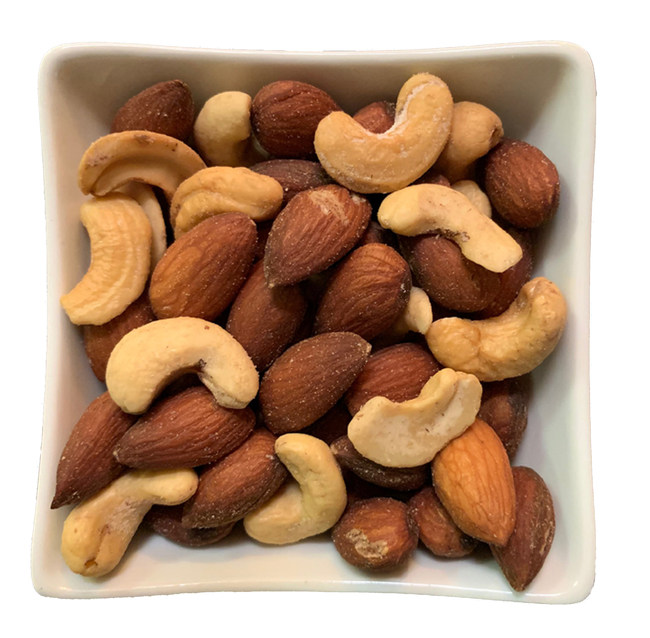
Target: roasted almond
pixel 522 183
pixel 332 425
pixel 237 484
pixel 202 271
pixel 377 117
pixel 438 532
pixel 87 463
pixel 187 429
pixel 366 294
pixel 397 372
pixel 473 480
pixel 376 534
pixel 265 320
pixel 309 378
pixel 285 114
pixel 99 341
pixel 165 107
pixel 522 557
pixel 317 228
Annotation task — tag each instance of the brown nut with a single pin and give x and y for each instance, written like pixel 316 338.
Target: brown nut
pixel 167 521
pixel 377 117
pixel 376 534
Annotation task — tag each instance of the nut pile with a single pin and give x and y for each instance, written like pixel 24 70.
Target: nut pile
pixel 310 322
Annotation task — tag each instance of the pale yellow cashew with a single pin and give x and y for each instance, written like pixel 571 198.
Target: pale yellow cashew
pixel 417 316
pixel 309 504
pixel 141 156
pixel 411 433
pixel 509 345
pixel 120 260
pixel 146 359
pixel 97 532
pixel 432 208
pixel 368 162
pixel 475 194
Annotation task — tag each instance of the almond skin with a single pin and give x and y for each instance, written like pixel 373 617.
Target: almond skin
pixel 332 425
pixel 438 532
pixel 522 184
pixel 165 107
pixel 167 521
pixel 473 480
pixel 366 294
pixel 201 272
pixel 523 555
pixel 237 484
pixel 377 117
pixel 397 372
pixel 376 534
pixel 309 378
pixel 99 341
pixel 316 229
pixel 285 114
pixel 87 463
pixel 187 429
pixel 265 320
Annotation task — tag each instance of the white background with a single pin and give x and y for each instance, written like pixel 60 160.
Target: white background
pixel 615 36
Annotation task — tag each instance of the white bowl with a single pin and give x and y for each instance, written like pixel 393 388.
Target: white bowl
pixel 544 93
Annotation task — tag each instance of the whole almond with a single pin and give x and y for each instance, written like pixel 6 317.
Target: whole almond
pixel 332 425
pixel 99 341
pixel 202 271
pixel 187 429
pixel 522 183
pixel 397 372
pixel 366 294
pixel 438 532
pixel 473 480
pixel 522 557
pixel 165 107
pixel 87 463
pixel 376 534
pixel 265 320
pixel 377 117
pixel 317 228
pixel 285 114
pixel 168 522
pixel 309 378
pixel 237 484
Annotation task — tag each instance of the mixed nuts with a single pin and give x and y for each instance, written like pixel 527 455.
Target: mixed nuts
pixel 308 322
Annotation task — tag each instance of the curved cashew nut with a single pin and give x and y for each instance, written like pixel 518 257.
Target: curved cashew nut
pixel 506 346
pixel 141 156
pixel 307 506
pixel 97 532
pixel 149 357
pixel 120 248
pixel 368 162
pixel 224 189
pixel 412 432
pixel 430 208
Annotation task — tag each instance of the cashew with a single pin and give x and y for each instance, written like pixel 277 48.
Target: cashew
pixel 506 346
pixel 432 208
pixel 417 316
pixel 97 532
pixel 310 504
pixel 141 156
pixel 120 247
pixel 475 129
pixel 224 189
pixel 368 162
pixel 412 432
pixel 149 357
pixel 475 194
pixel 222 130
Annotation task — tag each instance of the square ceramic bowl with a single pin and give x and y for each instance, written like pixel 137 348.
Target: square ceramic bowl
pixel 544 94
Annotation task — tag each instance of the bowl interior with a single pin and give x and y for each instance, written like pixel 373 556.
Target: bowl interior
pixel 544 94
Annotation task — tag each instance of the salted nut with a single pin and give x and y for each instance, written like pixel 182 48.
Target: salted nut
pixel 120 262
pixel 141 156
pixel 432 208
pixel 310 504
pixel 149 357
pixel 417 316
pixel 97 532
pixel 224 189
pixel 411 433
pixel 508 345
pixel 367 162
